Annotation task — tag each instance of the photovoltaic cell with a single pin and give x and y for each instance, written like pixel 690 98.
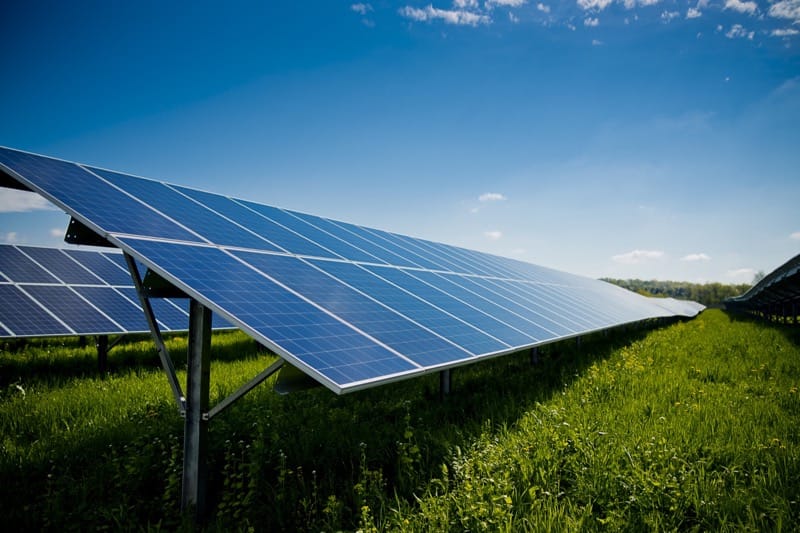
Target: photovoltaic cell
pixel 418 344
pixel 24 318
pixel 288 322
pixel 465 335
pixel 109 271
pixel 72 309
pixel 60 265
pixel 92 198
pixel 188 213
pixel 18 267
pixel 290 241
pixel 109 301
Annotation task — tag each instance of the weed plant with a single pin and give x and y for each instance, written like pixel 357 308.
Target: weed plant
pixel 692 426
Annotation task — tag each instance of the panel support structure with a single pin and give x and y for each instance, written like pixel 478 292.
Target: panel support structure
pixel 166 360
pixel 534 354
pixel 101 342
pixel 195 433
pixel 444 383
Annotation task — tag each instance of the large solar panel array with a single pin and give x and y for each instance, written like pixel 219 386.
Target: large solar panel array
pixel 350 306
pixel 47 292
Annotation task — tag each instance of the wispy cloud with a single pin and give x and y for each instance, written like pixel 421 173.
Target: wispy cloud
pixel 10 237
pixel 491 197
pixel 597 42
pixel 693 13
pixel 458 17
pixel 493 235
pixel 696 257
pixel 742 273
pixel 668 16
pixel 507 3
pixel 638 256
pixel 544 8
pixel 784 32
pixel 786 9
pixel 595 5
pixel 592 22
pixel 14 201
pixel 795 236
pixel 361 9
pixel 466 4
pixel 738 31
pixel 742 7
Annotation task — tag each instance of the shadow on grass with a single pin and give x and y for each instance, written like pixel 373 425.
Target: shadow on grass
pixel 42 361
pixel 790 331
pixel 275 455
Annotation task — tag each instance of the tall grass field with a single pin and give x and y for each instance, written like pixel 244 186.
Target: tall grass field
pixel 691 426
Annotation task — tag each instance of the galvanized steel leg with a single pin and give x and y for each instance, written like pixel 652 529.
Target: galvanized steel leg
pixel 196 423
pixel 101 343
pixel 444 383
pixel 535 355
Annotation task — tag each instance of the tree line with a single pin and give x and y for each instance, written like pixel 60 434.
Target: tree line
pixel 708 294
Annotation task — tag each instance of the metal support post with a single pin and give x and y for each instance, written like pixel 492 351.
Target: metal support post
pixel 444 383
pixel 163 353
pixel 578 342
pixel 101 343
pixel 195 431
pixel 535 355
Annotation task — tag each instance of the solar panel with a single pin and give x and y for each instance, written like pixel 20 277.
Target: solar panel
pixel 52 292
pixel 350 306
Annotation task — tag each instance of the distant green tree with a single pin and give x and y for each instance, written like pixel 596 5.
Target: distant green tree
pixel 708 294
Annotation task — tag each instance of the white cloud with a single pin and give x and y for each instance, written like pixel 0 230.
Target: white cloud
pixel 491 197
pixel 693 13
pixel 544 8
pixel 696 257
pixel 597 42
pixel 795 236
pixel 14 201
pixel 591 21
pixel 667 16
pixel 361 9
pixel 466 4
pixel 599 5
pixel 507 3
pixel 638 256
pixel 786 9
pixel 11 237
pixel 742 273
pixel 742 7
pixel 493 235
pixel 738 31
pixel 630 4
pixel 784 32
pixel 512 17
pixel 56 232
pixel 449 16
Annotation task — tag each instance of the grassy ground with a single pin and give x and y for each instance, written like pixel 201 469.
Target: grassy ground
pixel 693 426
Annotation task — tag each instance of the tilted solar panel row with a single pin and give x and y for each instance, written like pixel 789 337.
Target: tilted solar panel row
pixel 47 292
pixel 350 306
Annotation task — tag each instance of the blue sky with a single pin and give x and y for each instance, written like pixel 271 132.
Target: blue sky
pixel 634 138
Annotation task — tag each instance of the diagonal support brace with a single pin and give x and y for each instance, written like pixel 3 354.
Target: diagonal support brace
pixel 163 353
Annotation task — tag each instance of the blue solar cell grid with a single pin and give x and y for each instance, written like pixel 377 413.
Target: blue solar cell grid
pixel 352 306
pixel 60 265
pixel 286 322
pixel 24 318
pixel 18 267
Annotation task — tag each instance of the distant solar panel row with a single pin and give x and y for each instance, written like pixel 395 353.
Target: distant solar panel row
pixel 49 292
pixel 350 306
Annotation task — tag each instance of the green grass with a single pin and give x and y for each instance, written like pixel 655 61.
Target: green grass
pixel 693 426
